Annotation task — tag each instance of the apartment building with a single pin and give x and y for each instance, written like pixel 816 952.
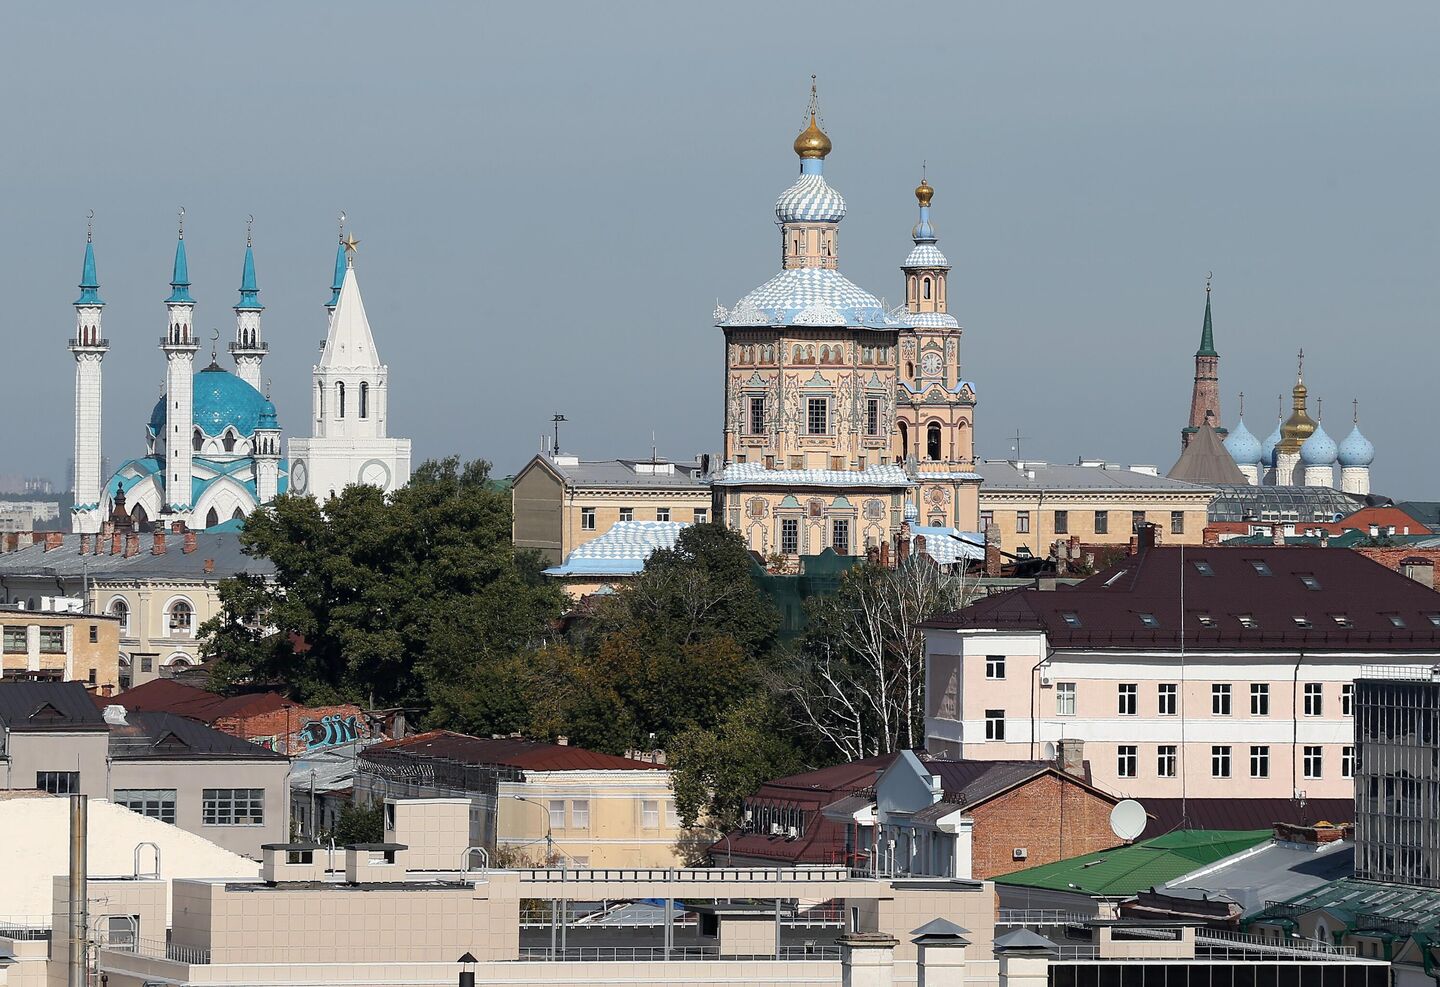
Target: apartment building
pixel 1206 672
pixel 60 646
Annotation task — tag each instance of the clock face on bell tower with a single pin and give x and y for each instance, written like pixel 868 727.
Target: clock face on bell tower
pixel 931 364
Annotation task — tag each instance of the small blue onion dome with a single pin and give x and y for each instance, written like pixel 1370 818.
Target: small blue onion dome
pixel 1267 448
pixel 1356 450
pixel 268 418
pixel 1242 446
pixel 1319 449
pixel 912 513
pixel 810 200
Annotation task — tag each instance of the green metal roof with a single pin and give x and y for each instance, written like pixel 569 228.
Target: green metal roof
pixel 1207 334
pixel 1372 905
pixel 1127 870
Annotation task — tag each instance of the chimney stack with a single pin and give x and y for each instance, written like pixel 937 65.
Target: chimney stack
pixel 177 526
pixel 115 543
pixel 209 565
pixel 189 542
pixel 159 547
pixel 1070 753
pixel 84 544
pixel 1277 534
pixel 53 540
pixel 132 545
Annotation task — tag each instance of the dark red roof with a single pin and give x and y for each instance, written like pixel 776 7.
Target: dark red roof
pixel 1242 813
pixel 527 755
pixel 1349 602
pixel 167 696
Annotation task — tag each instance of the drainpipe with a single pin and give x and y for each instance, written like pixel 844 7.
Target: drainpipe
pixel 1034 711
pixel 1295 726
pixel 78 893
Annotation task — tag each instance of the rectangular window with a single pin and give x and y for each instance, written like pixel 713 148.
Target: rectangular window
pixel 1177 522
pixel 52 640
pixel 1127 761
pixel 1205 619
pixel 818 416
pixel 556 809
pixel 94 634
pixel 1220 761
pixel 1022 522
pixel 790 536
pixel 994 666
pixel 1203 567
pixel 1311 583
pixel 1062 522
pixel 58 782
pixel 1261 569
pixel 14 642
pixel 1102 522
pixel 757 416
pixel 1071 618
pixel 1125 696
pixel 1259 699
pixel 157 803
pixel 1137 518
pixel 1220 700
pixel 233 807
pixel 1247 621
pixel 987 518
pixel 627 513
pixel 702 515
pixel 872 416
pixel 1314 698
pixel 1148 619
pixel 1065 699
pixel 1347 699
pixel 662 513
pixel 587 519
pixel 840 535
pixel 650 814
pixel 1314 761
pixel 994 724
pixel 1168 698
pixel 1347 762
pixel 580 814
pixel 1260 761
pixel 1165 760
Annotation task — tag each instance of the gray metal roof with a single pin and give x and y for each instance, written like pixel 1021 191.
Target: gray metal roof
pixel 222 549
pixel 1003 474
pixel 1276 872
pixel 627 473
pixel 170 737
pixel 48 706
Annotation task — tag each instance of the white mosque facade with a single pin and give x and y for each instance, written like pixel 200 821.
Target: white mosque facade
pixel 213 450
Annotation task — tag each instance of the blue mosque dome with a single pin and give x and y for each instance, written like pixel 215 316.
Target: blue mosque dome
pixel 1355 449
pixel 1242 446
pixel 1267 448
pixel 1319 449
pixel 221 400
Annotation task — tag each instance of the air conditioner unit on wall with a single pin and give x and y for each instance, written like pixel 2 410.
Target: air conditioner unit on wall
pixel 1044 678
pixel 1021 853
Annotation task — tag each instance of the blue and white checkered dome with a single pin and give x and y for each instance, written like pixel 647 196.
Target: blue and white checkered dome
pixel 1319 449
pixel 1242 445
pixel 810 296
pixel 1355 449
pixel 810 199
pixel 925 255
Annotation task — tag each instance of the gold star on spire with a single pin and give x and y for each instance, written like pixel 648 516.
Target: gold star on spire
pixel 351 243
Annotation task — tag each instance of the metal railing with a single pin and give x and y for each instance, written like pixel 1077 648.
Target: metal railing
pixel 25 926
pixel 1208 940
pixel 656 954
pixel 162 949
pixel 787 875
pixel 613 915
pixel 1026 917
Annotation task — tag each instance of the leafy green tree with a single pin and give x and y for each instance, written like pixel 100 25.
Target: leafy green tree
pixel 713 769
pixel 360 824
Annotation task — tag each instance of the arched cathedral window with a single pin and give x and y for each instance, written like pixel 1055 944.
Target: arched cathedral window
pixel 229 440
pixel 340 399
pixel 364 399
pixel 932 441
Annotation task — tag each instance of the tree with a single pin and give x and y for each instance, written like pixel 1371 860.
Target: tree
pixel 360 824
pixel 857 678
pixel 713 769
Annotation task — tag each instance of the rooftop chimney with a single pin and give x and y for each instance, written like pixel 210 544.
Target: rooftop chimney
pixel 1277 534
pixel 177 526
pixel 132 544
pixel 53 540
pixel 189 542
pixel 159 547
pixel 1070 756
pixel 84 544
pixel 209 565
pixel 115 543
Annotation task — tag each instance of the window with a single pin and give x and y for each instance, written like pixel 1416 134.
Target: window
pixel 872 416
pixel 1347 699
pixel 702 515
pixel 1259 699
pixel 1022 522
pixel 1177 522
pixel 662 513
pixel 94 634
pixel 1102 522
pixel 1065 699
pixel 818 416
pixel 994 666
pixel 1062 522
pixel 1396 620
pixel 1126 698
pixel 1126 761
pixel 147 663
pixel 233 807
pixel 1220 761
pixel 52 640
pixel 757 416
pixel 1220 699
pixel 121 610
pixel 1137 519
pixel 994 724
pixel 1342 620
pixel 1148 619
pixel 1261 569
pixel 587 519
pixel 1247 621
pixel 14 641
pixel 157 803
pixel 1071 618
pixel 932 441
pixel 340 397
pixel 1314 761
pixel 182 618
pixel 1168 698
pixel 580 814
pixel 650 814
pixel 1203 567
pixel 556 811
pixel 1314 698
pixel 987 518
pixel 197 441
pixel 1205 619
pixel 840 535
pixel 1347 762
pixel 1303 622
pixel 626 513
pixel 58 782
pixel 364 399
pixel 790 536
pixel 1165 760
pixel 1311 583
pixel 1434 618
pixel 1260 761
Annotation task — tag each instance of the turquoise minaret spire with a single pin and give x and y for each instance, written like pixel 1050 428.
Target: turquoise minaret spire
pixel 249 346
pixel 249 301
pixel 89 284
pixel 180 278
pixel 339 280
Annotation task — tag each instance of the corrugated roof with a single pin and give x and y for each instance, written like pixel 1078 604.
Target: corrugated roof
pixel 166 695
pixel 527 755
pixel 167 736
pixel 1127 870
pixel 621 551
pixel 48 706
pixel 222 549
pixel 1363 903
pixel 1004 475
pixel 628 473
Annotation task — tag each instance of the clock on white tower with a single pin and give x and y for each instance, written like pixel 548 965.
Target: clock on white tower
pixel 299 476
pixel 375 473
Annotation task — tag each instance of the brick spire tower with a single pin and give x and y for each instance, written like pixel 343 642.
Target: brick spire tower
pixel 1205 398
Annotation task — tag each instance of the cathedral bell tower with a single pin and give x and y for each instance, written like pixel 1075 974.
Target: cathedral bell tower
pixel 179 348
pixel 1205 396
pixel 249 347
pixel 89 347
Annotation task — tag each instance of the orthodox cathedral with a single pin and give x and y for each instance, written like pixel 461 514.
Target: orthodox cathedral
pixel 213 446
pixel 845 421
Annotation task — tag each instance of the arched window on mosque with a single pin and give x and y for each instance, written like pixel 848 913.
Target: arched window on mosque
pixel 229 440
pixel 212 519
pixel 197 440
pixel 364 399
pixel 239 515
pixel 932 441
pixel 340 398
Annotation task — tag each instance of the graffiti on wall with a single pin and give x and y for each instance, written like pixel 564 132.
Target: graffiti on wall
pixel 329 731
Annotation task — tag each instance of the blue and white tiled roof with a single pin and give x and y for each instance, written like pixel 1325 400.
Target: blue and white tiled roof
pixel 924 476
pixel 755 474
pixel 811 296
pixel 621 551
pixel 810 200
pixel 926 320
pixel 925 255
pixel 949 545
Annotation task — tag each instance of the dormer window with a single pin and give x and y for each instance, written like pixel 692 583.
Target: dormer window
pixel 1302 622
pixel 1148 620
pixel 1205 619
pixel 1247 621
pixel 1342 620
pixel 1261 569
pixel 1396 620
pixel 1203 567
pixel 1071 618
pixel 1311 583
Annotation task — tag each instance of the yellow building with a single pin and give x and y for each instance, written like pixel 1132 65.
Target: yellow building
pixel 60 647
pixel 563 502
pixel 1025 507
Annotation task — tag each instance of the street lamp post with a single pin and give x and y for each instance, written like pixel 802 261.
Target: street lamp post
pixel 550 855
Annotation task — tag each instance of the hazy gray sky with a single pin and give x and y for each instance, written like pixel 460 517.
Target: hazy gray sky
pixel 552 197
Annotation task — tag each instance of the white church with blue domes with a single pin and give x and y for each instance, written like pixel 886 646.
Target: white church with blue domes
pixel 213 448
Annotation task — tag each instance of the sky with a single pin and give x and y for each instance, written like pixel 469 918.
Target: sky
pixel 551 198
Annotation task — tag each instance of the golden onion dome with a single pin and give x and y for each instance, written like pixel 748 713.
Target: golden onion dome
pixel 924 193
pixel 1299 426
pixel 812 142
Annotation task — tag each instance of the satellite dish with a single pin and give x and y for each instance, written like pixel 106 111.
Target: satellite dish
pixel 1048 751
pixel 1127 819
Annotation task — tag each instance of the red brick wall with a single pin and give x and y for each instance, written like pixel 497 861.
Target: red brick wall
pixel 1051 817
pixel 285 730
pixel 1390 558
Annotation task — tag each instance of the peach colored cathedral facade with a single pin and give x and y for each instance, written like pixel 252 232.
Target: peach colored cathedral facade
pixel 846 425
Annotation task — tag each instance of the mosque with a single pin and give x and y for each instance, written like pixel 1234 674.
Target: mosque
pixel 213 440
